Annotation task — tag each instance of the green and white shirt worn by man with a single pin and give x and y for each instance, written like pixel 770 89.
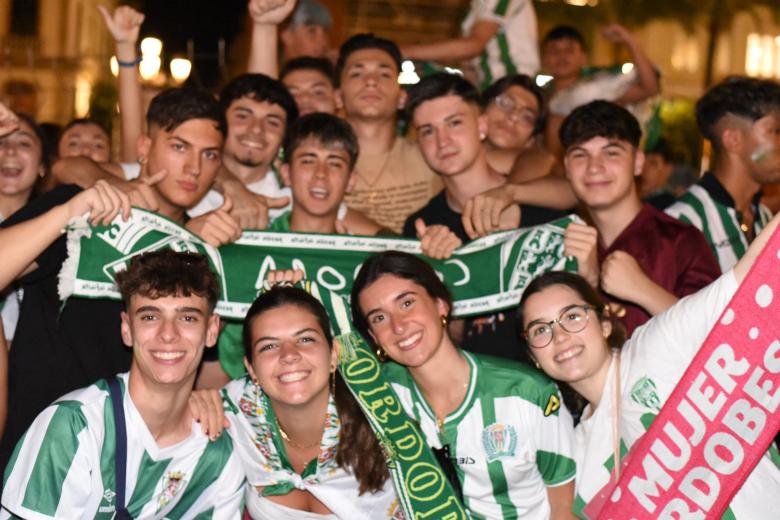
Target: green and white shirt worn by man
pixel 64 466
pixel 709 207
pixel 514 49
pixel 509 439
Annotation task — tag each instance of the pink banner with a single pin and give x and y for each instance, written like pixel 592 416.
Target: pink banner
pixel 720 419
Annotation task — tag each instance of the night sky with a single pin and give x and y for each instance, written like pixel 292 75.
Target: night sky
pixel 204 21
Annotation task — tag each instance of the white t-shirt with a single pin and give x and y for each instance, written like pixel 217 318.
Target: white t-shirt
pixel 652 363
pixel 514 49
pixel 64 466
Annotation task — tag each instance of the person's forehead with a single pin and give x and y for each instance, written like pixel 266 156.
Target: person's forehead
pixel 442 108
pixel 169 302
pixel 371 56
pixel 263 107
pixel 86 129
pixel 600 141
pixel 315 145
pixel 518 93
pixel 565 43
pixel 199 132
pixel 304 77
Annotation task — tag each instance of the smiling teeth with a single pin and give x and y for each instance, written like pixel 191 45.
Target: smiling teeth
pixel 568 354
pixel 293 377
pixel 168 356
pixel 410 340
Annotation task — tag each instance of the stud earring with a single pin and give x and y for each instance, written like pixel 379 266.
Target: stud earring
pixel 444 322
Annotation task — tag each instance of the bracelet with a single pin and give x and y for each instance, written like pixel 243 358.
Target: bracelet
pixel 129 63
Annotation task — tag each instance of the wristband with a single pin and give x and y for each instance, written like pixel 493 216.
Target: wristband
pixel 129 63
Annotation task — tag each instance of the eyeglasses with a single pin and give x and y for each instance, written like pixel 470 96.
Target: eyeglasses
pixel 509 106
pixel 573 319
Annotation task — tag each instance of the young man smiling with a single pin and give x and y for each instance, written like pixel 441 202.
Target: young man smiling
pixel 446 114
pixel 65 465
pixel 741 118
pixel 79 338
pixel 643 259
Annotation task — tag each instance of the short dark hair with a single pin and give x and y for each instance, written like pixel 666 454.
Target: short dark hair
pixel 325 128
pixel 599 119
pixel 400 264
pixel 564 32
pixel 740 96
pixel 259 87
pixel 321 65
pixel 166 272
pixel 524 82
pixel 438 85
pixel 362 41
pixel 661 147
pixel 174 106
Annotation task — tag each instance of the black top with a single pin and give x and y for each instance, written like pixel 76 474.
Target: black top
pixel 57 347
pixel 494 334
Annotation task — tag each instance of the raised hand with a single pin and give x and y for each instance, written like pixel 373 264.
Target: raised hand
pixel 102 201
pixel 623 277
pixel 284 277
pixel 8 121
pixel 251 209
pixel 616 33
pixel 270 12
pixel 579 241
pixel 490 211
pixel 124 25
pixel 216 227
pixel 436 241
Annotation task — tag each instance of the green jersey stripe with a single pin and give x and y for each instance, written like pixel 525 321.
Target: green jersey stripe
pixel 506 57
pixel 554 467
pixel 501 7
pixel 152 471
pixel 216 456
pixel 487 74
pixel 495 468
pixel 56 454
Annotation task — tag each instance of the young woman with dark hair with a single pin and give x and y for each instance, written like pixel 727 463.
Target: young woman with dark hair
pixel 307 448
pixel 498 424
pixel 574 339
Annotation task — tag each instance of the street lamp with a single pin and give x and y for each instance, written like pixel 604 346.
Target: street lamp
pixel 180 69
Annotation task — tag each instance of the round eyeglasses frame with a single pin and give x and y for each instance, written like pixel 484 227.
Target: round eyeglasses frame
pixel 560 320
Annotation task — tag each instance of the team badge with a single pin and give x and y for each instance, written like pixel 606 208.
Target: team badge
pixel 644 393
pixel 106 505
pixel 552 405
pixel 173 483
pixel 499 440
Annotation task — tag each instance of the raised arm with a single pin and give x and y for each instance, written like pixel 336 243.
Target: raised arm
pixel 647 79
pixel 462 48
pixel 23 243
pixel 125 26
pixel 266 16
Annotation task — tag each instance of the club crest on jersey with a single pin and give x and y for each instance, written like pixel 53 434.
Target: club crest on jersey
pixel 499 440
pixel 106 505
pixel 644 393
pixel 173 483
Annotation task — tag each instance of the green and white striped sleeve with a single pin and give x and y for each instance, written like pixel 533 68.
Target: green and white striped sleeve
pixel 49 474
pixel 554 438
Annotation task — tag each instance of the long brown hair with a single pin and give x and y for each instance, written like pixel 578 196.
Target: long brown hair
pixel 358 450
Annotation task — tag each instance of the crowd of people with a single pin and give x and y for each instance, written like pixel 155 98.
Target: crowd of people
pixel 114 407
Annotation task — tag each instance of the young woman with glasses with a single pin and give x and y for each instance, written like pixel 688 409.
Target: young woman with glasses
pixel 498 426
pixel 575 339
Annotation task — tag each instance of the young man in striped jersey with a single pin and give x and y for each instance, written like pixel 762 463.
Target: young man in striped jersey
pixel 741 118
pixel 641 258
pixel 65 465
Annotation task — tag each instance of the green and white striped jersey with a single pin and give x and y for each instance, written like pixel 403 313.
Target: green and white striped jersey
pixel 514 49
pixel 509 439
pixel 64 466
pixel 708 206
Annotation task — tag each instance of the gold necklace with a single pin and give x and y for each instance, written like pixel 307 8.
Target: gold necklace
pixel 293 443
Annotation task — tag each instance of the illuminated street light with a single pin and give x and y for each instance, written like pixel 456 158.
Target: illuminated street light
pixel 180 69
pixel 151 47
pixel 114 65
pixel 150 67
